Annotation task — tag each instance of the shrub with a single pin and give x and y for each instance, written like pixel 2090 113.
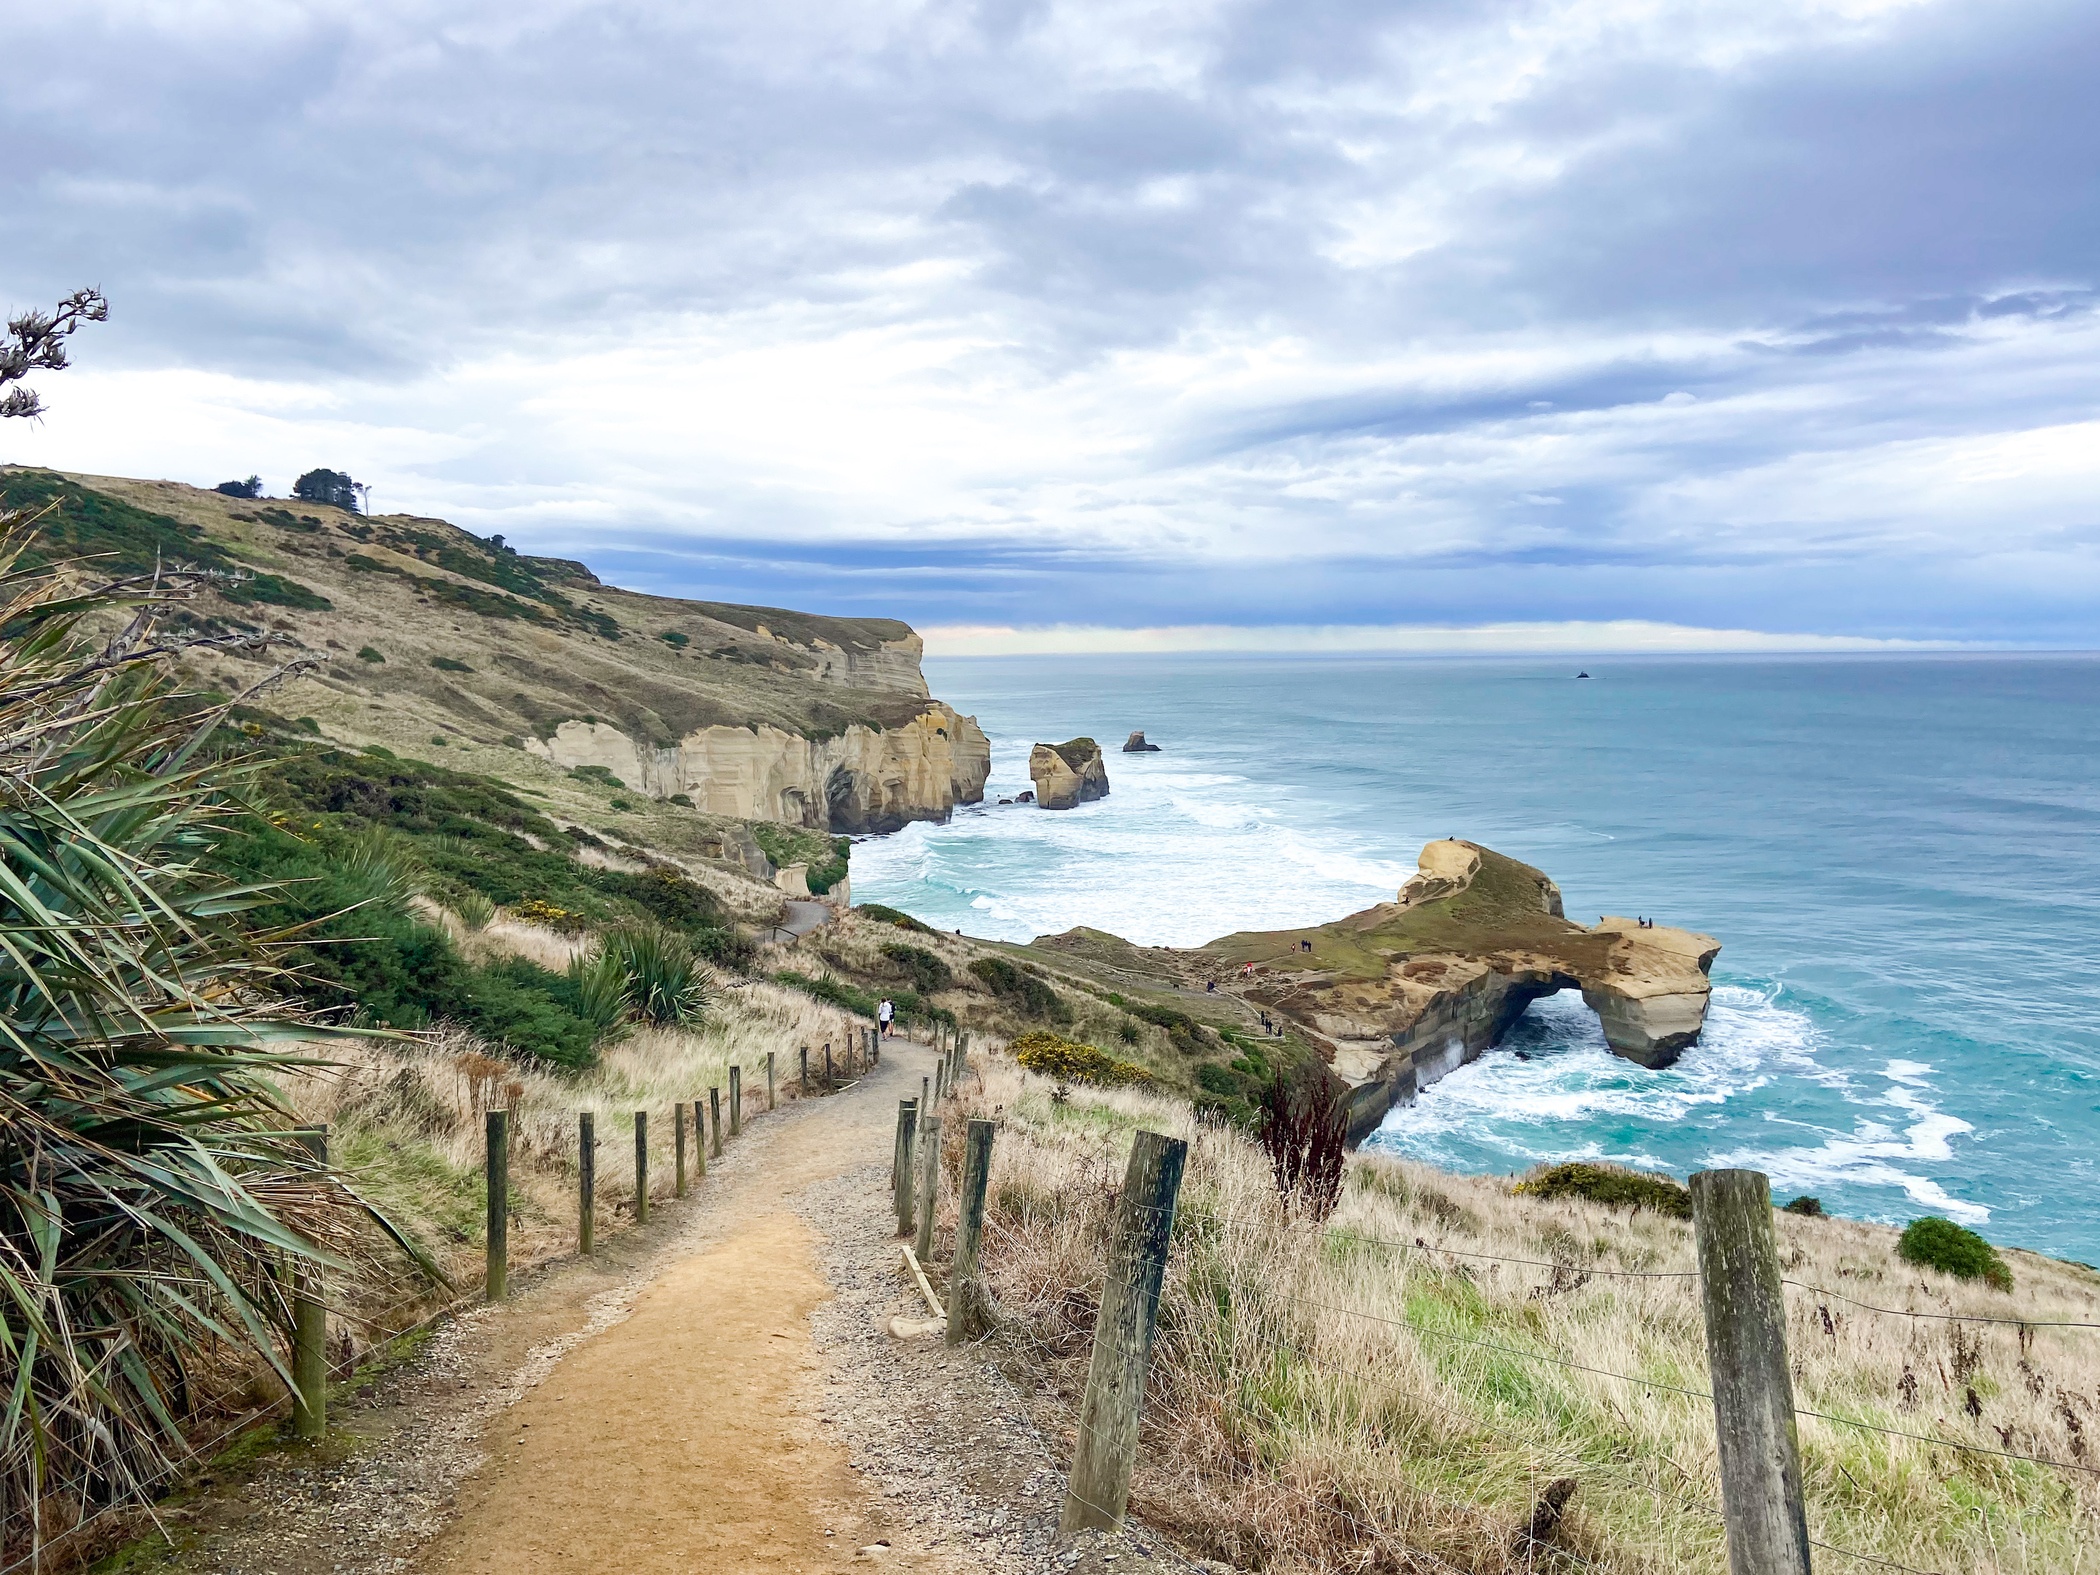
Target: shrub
pixel 1027 994
pixel 369 654
pixel 597 774
pixel 1305 1132
pixel 475 911
pixel 680 799
pixel 666 983
pixel 1609 1184
pixel 675 640
pixel 622 805
pixel 833 992
pixel 598 984
pixel 668 895
pixel 446 664
pixel 1934 1243
pixel 327 486
pixel 1807 1207
pixel 251 488
pixel 534 911
pixel 887 915
pixel 926 972
pixel 1050 1055
pixel 826 858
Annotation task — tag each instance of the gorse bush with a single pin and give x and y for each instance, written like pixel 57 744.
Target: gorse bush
pixel 926 972
pixel 1611 1185
pixel 883 914
pixel 1050 1055
pixel 1934 1243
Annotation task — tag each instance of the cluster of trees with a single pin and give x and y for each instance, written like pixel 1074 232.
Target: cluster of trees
pixel 316 486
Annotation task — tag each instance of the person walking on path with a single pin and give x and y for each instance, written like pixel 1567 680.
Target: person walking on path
pixel 886 1017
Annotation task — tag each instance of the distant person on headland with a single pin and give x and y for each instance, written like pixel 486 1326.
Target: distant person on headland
pixel 886 1017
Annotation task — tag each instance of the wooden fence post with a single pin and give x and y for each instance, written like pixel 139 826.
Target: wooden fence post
pixel 925 1100
pixel 803 1090
pixel 965 1295
pixel 940 1081
pixel 1098 1490
pixel 586 1182
pixel 497 1168
pixel 900 1163
pixel 641 1167
pixel 1753 1393
pixel 699 1140
pixel 769 1078
pixel 714 1110
pixel 830 1082
pixel 310 1326
pixel 736 1100
pixel 678 1144
pixel 929 1185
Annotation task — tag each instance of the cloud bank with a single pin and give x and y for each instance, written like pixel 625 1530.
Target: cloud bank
pixel 1029 314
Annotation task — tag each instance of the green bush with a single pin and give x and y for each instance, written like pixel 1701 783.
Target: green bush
pixel 882 914
pixel 675 640
pixel 1807 1207
pixel 369 654
pixel 1609 1184
pixel 927 973
pixel 1934 1243
pixel 833 992
pixel 1024 991
pixel 446 664
pixel 600 774
pixel 666 983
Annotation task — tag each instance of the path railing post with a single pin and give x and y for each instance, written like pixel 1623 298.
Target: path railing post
pixel 1760 1455
pixel 310 1326
pixel 965 1294
pixel 830 1081
pixel 900 1163
pixel 678 1146
pixel 1098 1490
pixel 699 1140
pixel 925 1100
pixel 586 1182
pixel 924 1205
pixel 736 1100
pixel 641 1167
pixel 714 1110
pixel 769 1078
pixel 803 1087
pixel 497 1168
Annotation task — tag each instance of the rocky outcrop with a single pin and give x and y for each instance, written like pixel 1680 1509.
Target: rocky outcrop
pixel 866 779
pixel 1068 774
pixel 1401 994
pixel 1135 745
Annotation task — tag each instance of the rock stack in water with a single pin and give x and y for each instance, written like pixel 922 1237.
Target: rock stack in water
pixel 1067 774
pixel 1135 744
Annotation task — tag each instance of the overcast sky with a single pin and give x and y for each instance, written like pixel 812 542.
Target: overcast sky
pixel 1772 316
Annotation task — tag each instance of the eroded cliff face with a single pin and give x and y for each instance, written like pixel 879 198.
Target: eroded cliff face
pixel 1068 774
pixel 865 779
pixel 1401 994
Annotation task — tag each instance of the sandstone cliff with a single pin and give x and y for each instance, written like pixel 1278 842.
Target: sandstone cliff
pixel 1068 774
pixel 1400 994
pixel 458 649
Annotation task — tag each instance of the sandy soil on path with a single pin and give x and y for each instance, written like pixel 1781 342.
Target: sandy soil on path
pixel 674 1440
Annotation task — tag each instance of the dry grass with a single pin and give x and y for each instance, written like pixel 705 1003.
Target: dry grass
pixel 406 1120
pixel 1360 1395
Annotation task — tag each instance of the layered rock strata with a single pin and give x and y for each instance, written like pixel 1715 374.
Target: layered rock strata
pixel 1399 995
pixel 1068 774
pixel 865 779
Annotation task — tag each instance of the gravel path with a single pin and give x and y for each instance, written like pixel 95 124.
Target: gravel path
pixel 717 1390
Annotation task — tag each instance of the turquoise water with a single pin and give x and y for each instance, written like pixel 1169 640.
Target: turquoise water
pixel 1899 856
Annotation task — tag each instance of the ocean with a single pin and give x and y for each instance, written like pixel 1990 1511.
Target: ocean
pixel 1899 856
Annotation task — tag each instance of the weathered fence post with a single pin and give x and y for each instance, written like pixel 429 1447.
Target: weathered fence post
pixel 830 1081
pixel 940 1081
pixel 586 1181
pixel 803 1089
pixel 497 1166
pixel 929 1184
pixel 769 1078
pixel 678 1146
pixel 1098 1490
pixel 641 1167
pixel 900 1163
pixel 714 1110
pixel 965 1294
pixel 925 1100
pixel 699 1140
pixel 310 1326
pixel 1753 1393
pixel 736 1100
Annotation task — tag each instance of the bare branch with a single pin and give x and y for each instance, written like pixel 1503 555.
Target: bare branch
pixel 36 342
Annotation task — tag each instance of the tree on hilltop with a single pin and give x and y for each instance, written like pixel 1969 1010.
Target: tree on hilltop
pixel 251 488
pixel 327 486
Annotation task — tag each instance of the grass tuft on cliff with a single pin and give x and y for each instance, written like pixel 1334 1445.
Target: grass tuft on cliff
pixel 1610 1185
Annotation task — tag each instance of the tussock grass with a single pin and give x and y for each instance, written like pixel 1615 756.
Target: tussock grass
pixel 1365 1395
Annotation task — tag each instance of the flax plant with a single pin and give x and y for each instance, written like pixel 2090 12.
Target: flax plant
pixel 153 1196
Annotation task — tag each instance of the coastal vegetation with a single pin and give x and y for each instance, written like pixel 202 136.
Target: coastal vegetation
pixel 1407 1382
pixel 1936 1243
